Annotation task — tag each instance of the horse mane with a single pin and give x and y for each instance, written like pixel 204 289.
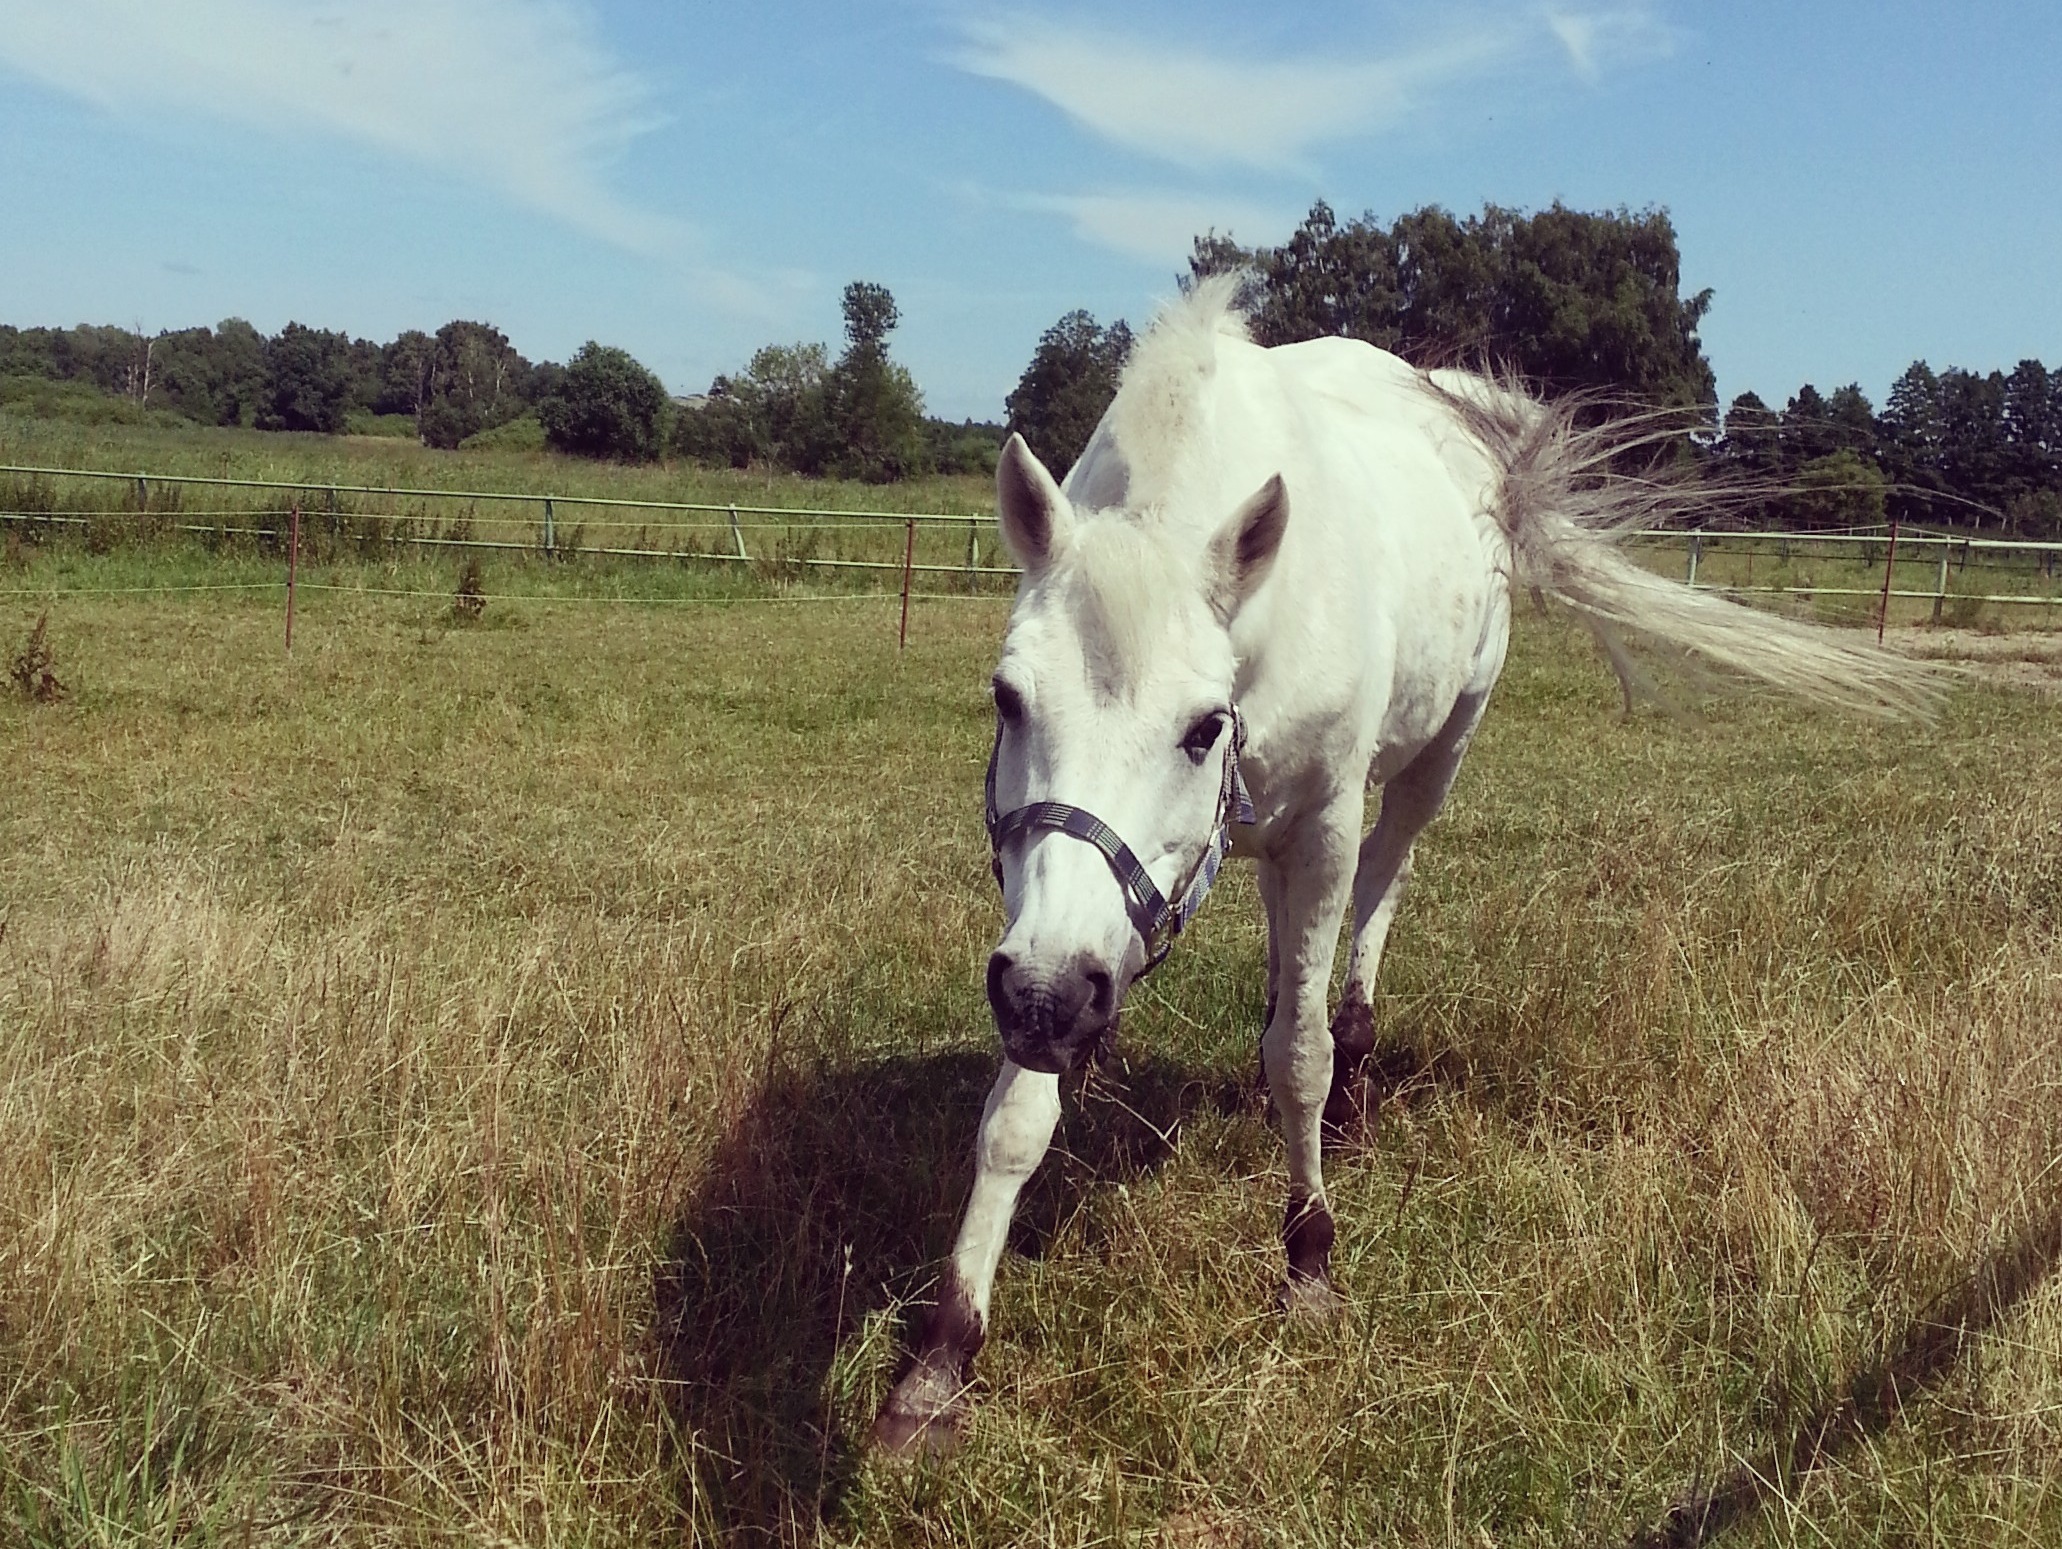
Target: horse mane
pixel 1161 403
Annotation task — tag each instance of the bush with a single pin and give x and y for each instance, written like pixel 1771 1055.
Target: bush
pixel 79 403
pixel 1838 490
pixel 524 434
pixel 606 405
pixel 392 427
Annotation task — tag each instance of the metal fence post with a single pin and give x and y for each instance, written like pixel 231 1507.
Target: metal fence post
pixel 908 561
pixel 973 556
pixel 550 537
pixel 142 494
pixel 737 534
pixel 1889 559
pixel 1940 584
pixel 293 565
pixel 1696 553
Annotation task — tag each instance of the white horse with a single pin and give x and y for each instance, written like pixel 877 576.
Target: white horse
pixel 1315 545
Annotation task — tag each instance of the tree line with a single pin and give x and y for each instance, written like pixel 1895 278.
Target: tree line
pixel 860 416
pixel 1953 447
pixel 464 378
pixel 1572 301
pixel 1591 302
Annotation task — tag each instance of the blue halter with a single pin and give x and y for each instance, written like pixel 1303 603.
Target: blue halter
pixel 1157 921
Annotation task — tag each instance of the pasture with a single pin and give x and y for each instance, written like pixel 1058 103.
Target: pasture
pixel 510 1083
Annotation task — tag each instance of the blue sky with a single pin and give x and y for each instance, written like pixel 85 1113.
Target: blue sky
pixel 1860 184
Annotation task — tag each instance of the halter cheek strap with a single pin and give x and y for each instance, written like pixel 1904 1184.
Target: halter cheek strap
pixel 1157 922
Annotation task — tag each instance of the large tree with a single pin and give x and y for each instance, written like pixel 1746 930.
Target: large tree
pixel 307 380
pixel 872 409
pixel 1070 381
pixel 475 380
pixel 1574 301
pixel 605 405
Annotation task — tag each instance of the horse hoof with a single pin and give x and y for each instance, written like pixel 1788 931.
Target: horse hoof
pixel 904 1434
pixel 1309 1301
pixel 925 1417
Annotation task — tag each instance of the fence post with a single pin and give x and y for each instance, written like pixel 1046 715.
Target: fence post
pixel 1889 559
pixel 293 565
pixel 908 561
pixel 737 534
pixel 1696 553
pixel 142 494
pixel 550 537
pixel 973 556
pixel 1940 585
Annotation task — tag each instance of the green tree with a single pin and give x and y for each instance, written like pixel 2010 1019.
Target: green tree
pixel 307 380
pixel 1841 489
pixel 475 380
pixel 772 411
pixel 872 409
pixel 1807 432
pixel 605 405
pixel 2033 429
pixel 1574 301
pixel 1069 383
pixel 404 373
pixel 1908 436
pixel 1975 457
pixel 1749 445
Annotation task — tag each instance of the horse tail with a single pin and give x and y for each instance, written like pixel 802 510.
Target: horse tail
pixel 1564 507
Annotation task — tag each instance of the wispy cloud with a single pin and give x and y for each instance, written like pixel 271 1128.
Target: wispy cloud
pixel 1154 228
pixel 1200 109
pixel 520 96
pixel 1597 40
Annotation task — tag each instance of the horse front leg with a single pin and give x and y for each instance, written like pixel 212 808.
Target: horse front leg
pixel 927 1411
pixel 1312 883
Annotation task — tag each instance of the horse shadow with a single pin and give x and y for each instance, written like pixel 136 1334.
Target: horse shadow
pixel 835 1195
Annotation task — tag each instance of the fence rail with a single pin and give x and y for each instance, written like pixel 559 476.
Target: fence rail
pixel 531 522
pixel 1946 553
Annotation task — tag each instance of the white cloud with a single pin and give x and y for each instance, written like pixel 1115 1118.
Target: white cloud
pixel 518 95
pixel 1153 228
pixel 1596 39
pixel 1199 109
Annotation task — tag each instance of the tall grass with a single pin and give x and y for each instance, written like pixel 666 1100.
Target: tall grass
pixel 505 1085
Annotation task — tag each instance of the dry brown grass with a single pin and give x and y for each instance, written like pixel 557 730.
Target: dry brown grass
pixel 503 1085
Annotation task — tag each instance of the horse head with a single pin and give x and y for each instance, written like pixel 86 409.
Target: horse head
pixel 1114 774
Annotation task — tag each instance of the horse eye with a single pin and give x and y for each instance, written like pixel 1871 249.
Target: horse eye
pixel 1009 704
pixel 1202 736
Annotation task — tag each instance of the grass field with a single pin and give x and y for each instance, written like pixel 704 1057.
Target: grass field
pixel 506 1084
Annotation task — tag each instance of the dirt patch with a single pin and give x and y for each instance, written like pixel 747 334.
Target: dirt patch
pixel 2028 659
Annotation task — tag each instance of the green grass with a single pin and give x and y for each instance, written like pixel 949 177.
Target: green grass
pixel 385 460
pixel 507 1083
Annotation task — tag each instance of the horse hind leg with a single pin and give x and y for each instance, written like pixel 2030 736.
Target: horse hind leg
pixel 1409 802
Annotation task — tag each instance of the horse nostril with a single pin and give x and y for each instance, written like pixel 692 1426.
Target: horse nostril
pixel 999 965
pixel 1102 988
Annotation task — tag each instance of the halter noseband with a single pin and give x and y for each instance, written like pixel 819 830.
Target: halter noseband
pixel 1157 921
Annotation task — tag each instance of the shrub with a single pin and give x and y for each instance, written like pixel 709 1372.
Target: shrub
pixel 34 668
pixel 469 600
pixel 524 434
pixel 606 405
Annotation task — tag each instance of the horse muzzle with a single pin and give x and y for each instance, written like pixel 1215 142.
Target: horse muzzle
pixel 1053 1019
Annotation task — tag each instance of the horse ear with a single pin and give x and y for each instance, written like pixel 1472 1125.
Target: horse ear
pixel 1244 548
pixel 1032 509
